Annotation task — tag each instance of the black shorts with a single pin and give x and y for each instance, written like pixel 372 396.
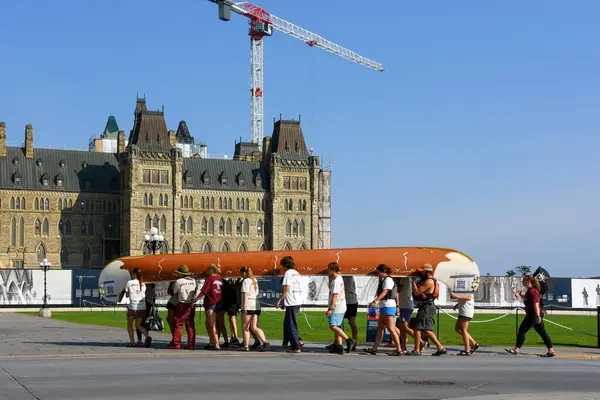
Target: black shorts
pixel 171 306
pixel 232 310
pixel 351 310
pixel 463 318
pixel 252 312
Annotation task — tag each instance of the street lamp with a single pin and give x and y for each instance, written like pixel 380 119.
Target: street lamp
pixel 154 241
pixel 45 265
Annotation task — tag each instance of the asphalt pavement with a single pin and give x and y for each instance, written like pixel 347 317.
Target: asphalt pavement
pixel 47 359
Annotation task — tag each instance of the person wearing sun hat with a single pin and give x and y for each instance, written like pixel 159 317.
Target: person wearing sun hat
pixel 185 289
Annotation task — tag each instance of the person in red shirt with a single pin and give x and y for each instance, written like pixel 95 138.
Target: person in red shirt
pixel 534 317
pixel 212 292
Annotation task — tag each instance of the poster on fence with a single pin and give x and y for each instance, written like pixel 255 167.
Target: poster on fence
pixel 586 293
pixel 26 287
pixel 85 290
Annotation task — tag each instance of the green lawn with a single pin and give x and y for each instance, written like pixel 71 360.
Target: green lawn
pixel 496 333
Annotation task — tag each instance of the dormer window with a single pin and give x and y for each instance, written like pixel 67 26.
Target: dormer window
pixel 61 163
pixel 59 180
pixel 223 178
pixel 206 178
pixel 297 147
pixel 240 179
pixel 187 177
pixel 45 180
pixel 15 162
pixel 84 165
pixel 39 163
pixel 17 178
pixel 258 180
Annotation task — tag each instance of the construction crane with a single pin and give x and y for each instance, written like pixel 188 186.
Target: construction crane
pixel 262 24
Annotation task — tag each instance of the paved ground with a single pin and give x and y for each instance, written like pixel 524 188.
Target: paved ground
pixel 46 359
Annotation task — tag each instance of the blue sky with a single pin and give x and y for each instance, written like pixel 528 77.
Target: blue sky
pixel 482 134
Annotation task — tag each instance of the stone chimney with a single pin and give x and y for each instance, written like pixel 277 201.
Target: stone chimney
pixel 2 139
pixel 172 138
pixel 121 142
pixel 28 141
pixel 266 149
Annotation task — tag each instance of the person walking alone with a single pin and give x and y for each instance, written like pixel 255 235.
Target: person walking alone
pixel 466 311
pixel 534 317
pixel 292 300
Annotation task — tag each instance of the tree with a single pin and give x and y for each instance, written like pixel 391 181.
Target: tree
pixel 524 269
pixel 510 272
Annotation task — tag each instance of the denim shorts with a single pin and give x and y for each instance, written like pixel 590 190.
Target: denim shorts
pixel 336 319
pixel 405 314
pixel 215 307
pixel 389 311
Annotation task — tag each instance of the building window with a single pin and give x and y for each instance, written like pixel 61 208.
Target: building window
pixel 190 225
pixel 295 228
pixel 41 252
pixel 207 248
pixel 83 228
pixel 61 227
pixel 224 247
pixel 91 228
pixel 45 227
pixel 246 228
pixel 150 199
pixel 221 226
pixel 146 176
pixel 182 226
pixel 286 182
pixel 228 227
pixel 186 248
pixel 211 226
pixel 155 222
pixel 64 255
pixel 47 205
pixel 204 226
pixel 68 227
pixel 238 227
pixel 38 227
pixel 242 247
pixel 288 227
pixel 22 232
pixel 302 183
pixel 163 224
pixel 13 236
pixel 148 223
pixel 145 199
pixel 166 200
pixel 301 228
pixel 259 228
pixel 164 177
pixel 295 183
pixel 155 176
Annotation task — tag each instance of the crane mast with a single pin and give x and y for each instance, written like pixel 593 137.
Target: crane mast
pixel 262 24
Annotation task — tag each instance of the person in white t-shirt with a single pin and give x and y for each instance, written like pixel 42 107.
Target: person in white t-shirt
pixel 386 296
pixel 292 297
pixel 135 290
pixel 251 311
pixel 337 309
pixel 466 311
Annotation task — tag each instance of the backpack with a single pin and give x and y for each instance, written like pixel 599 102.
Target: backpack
pixel 436 289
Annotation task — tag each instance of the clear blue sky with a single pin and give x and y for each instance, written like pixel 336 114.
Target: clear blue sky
pixel 482 134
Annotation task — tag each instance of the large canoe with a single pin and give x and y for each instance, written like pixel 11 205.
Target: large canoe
pixel 448 265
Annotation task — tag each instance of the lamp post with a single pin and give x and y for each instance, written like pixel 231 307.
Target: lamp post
pixel 45 311
pixel 154 241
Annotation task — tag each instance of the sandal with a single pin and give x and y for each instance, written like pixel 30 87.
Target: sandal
pixel 512 351
pixel 465 353
pixel 244 349
pixel 440 352
pixel 413 353
pixel 396 353
pixel 370 351
pixel 475 347
pixel 131 345
pixel 548 354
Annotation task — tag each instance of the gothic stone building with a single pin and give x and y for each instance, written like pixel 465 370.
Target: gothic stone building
pixel 82 209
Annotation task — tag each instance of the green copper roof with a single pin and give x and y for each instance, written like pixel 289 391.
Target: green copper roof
pixel 111 128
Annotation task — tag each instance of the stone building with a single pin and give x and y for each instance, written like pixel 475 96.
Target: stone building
pixel 82 209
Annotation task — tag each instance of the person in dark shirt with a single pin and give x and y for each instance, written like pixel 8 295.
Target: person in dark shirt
pixel 534 317
pixel 233 302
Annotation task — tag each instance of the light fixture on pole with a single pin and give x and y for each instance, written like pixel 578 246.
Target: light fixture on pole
pixel 154 241
pixel 45 265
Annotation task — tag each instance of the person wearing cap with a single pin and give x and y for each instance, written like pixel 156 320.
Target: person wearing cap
pixel 185 289
pixel 426 292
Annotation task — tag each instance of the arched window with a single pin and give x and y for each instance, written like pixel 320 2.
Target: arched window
pixel 228 227
pixel 212 203
pixel 155 221
pixel 45 227
pixel 220 203
pixel 68 227
pixel 247 204
pixel 64 255
pixel 242 247
pixel 288 227
pixel 40 252
pixel 299 205
pixel 18 203
pixel 36 204
pixel 211 226
pixel 182 225
pixel 186 202
pixel 301 228
pixel 148 223
pixel 13 236
pixel 204 226
pixel 83 228
pixel 150 199
pixel 291 204
pixel 166 200
pixel 295 228
pixel 257 204
pixel 12 203
pixel 303 205
pixel 207 248
pixel 246 230
pixel 285 207
pixel 186 248
pixel 87 256
pixel 181 199
pixel 60 207
pixel 302 247
pixel 191 202
pixel 163 224
pixel 259 228
pixel 202 203
pixel 22 232
pixel 221 226
pixel 160 200
pixel 238 227
pixel 263 204
pixel 287 247
pixel 224 247
pixel 91 228
pixel 70 203
pixel 230 204
pixel 145 199
pixel 190 225
pixel 47 207
pixel 262 247
pixel 61 227
pixel 23 206
pixel 37 227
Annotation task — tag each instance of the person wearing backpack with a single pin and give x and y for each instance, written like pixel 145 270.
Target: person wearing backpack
pixel 427 291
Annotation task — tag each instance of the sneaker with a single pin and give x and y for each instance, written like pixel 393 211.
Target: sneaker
pixel 225 345
pixel 265 347
pixel 330 346
pixel 256 345
pixel 234 341
pixel 337 349
pixel 139 344
pixel 148 342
